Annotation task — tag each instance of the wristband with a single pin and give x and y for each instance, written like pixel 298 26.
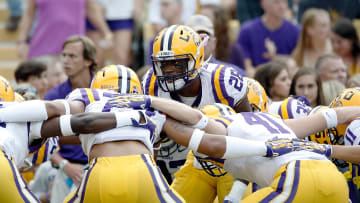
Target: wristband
pixel 202 123
pixel 65 125
pixel 63 163
pixel 330 117
pixel 124 118
pixel 195 139
pixel 66 106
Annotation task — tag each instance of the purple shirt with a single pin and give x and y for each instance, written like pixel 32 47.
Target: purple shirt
pixel 253 34
pixel 73 153
pixel 56 21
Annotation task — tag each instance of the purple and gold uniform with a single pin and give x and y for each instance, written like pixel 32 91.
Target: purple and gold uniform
pixel 291 107
pixel 300 176
pixel 219 84
pixel 141 181
pixel 17 140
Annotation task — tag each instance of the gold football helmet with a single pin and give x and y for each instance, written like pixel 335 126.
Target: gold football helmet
pixel 256 95
pixel 181 47
pixel 6 91
pixel 347 97
pixel 117 78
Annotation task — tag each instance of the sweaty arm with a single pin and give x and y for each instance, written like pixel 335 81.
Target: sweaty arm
pixel 319 121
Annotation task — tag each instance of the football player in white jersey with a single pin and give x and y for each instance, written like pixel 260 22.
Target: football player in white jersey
pixel 102 145
pixel 109 151
pixel 180 73
pixel 295 176
pixel 17 140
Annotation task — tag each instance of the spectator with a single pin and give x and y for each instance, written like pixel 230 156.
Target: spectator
pixel 345 42
pixel 331 88
pixel 314 40
pixel 120 17
pixel 331 67
pixel 226 50
pixel 307 83
pixel 274 77
pixel 15 9
pixel 354 81
pixel 290 62
pixel 57 21
pixel 268 35
pixel 79 61
pixel 203 25
pixel 34 73
pixel 55 70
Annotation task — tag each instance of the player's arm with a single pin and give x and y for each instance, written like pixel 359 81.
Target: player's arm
pixel 219 146
pixel 90 122
pixel 346 153
pixel 38 110
pixel 329 118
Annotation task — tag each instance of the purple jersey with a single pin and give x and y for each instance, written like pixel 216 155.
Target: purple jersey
pixel 252 39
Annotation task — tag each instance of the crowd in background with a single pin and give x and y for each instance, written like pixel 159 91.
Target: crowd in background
pixel 297 47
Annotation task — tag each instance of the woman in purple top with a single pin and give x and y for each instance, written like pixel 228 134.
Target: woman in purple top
pixel 56 21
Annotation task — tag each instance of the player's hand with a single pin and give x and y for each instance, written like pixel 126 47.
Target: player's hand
pixel 75 172
pixel 133 101
pixel 310 146
pixel 147 121
pixel 278 146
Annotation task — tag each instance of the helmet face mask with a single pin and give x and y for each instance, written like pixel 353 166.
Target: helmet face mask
pixel 179 77
pixel 213 166
pixel 180 47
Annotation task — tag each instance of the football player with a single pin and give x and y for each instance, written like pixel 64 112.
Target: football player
pixel 280 176
pixel 180 73
pixel 108 143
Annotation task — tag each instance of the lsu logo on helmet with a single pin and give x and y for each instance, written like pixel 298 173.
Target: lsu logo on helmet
pixel 6 91
pixel 256 95
pixel 117 78
pixel 347 97
pixel 181 47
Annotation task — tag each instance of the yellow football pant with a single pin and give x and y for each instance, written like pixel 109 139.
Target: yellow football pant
pixel 13 188
pixel 304 181
pixel 195 185
pixel 124 179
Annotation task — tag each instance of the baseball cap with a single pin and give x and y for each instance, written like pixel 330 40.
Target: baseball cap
pixel 201 23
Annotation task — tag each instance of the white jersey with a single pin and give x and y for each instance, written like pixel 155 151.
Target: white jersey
pixel 261 127
pixel 352 134
pixel 219 84
pixel 290 108
pixel 20 139
pixel 97 100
